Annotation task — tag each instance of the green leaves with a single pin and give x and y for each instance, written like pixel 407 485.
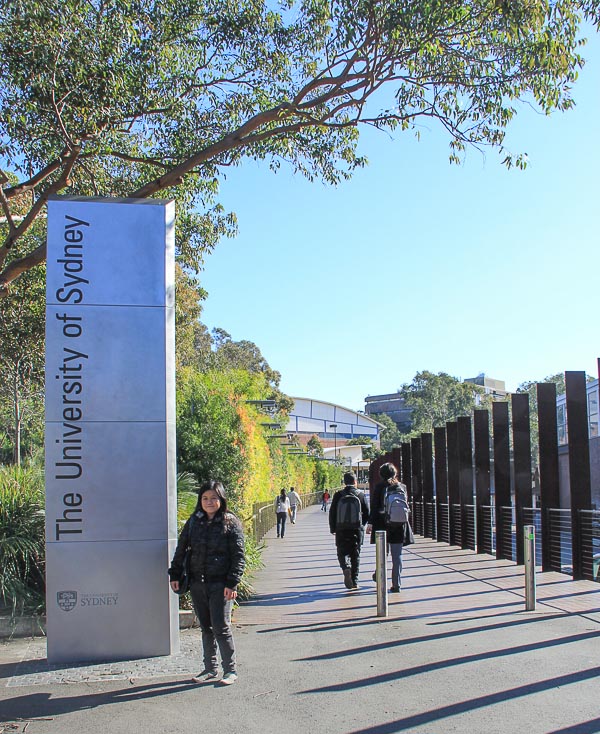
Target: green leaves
pixel 438 398
pixel 137 97
pixel 21 539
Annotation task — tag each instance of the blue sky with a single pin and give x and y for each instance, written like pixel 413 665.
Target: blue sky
pixel 415 264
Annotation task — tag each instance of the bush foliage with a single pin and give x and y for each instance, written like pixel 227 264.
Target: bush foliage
pixel 21 539
pixel 224 437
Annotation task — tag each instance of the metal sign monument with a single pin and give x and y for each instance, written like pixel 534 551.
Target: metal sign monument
pixel 110 429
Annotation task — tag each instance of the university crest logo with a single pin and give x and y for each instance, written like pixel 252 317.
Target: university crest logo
pixel 66 600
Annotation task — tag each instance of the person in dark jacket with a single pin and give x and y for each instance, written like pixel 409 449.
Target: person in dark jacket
pixel 396 538
pixel 282 508
pixel 216 540
pixel 348 541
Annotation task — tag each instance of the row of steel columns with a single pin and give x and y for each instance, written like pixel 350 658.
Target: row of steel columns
pixel 460 463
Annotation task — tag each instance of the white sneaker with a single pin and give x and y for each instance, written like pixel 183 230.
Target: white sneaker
pixel 206 676
pixel 228 679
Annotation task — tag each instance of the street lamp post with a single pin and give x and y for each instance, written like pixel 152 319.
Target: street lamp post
pixel 334 426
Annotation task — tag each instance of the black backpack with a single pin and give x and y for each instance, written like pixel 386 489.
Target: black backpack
pixel 349 512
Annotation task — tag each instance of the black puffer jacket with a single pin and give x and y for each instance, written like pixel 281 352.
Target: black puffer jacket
pixel 217 550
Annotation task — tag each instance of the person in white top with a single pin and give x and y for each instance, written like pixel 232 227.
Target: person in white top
pixel 282 507
pixel 295 504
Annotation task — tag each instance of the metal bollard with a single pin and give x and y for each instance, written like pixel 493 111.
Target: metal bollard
pixel 381 573
pixel 529 558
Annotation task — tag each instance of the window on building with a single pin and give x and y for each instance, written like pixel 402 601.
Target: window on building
pixel 593 412
pixel 561 419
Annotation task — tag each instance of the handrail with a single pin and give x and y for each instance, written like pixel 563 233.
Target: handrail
pixel 262 520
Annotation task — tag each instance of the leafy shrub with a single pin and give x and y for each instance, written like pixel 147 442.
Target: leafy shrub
pixel 253 563
pixel 21 539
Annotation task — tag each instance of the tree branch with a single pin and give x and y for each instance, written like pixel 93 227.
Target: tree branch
pixel 229 142
pixel 6 207
pixel 16 267
pixel 60 183
pixel 135 159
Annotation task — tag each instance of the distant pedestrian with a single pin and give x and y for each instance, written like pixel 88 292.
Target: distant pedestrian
pixel 347 517
pixel 217 562
pixel 324 501
pixel 282 507
pixel 390 512
pixel 295 504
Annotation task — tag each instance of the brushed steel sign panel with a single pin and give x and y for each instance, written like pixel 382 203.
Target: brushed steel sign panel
pixel 111 604
pixel 110 429
pixel 121 499
pixel 111 251
pixel 114 370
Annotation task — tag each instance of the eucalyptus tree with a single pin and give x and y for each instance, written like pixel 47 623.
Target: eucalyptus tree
pixel 159 97
pixel 390 437
pixel 436 399
pixel 530 387
pixel 22 363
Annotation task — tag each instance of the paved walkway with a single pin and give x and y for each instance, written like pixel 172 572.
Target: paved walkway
pixel 457 653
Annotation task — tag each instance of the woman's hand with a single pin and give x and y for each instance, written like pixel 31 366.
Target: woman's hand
pixel 368 529
pixel 230 594
pixel 175 585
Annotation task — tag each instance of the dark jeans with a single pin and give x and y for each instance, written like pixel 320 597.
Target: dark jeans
pixel 348 553
pixel 396 553
pixel 214 616
pixel 281 518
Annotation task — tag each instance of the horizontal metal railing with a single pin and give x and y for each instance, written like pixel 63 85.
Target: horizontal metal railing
pixel 443 516
pixel 456 523
pixel 443 529
pixel 430 519
pixel 488 521
pixel 418 518
pixel 561 549
pixel 589 537
pixel 508 533
pixel 471 530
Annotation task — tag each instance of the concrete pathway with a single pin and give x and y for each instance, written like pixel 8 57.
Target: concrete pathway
pixel 457 653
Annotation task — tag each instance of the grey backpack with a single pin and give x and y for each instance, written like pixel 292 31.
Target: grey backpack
pixel 396 510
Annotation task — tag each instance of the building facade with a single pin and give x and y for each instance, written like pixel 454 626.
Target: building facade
pixel 563 444
pixel 392 405
pixel 333 424
pixel 495 388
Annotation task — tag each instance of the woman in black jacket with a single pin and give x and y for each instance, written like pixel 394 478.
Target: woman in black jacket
pixel 397 537
pixel 217 563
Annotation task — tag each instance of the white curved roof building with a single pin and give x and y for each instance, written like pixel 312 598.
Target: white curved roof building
pixel 317 417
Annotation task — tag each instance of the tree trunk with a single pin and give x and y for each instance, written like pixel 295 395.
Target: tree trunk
pixel 17 414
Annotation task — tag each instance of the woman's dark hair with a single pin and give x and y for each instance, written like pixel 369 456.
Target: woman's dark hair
pixel 388 472
pixel 282 492
pixel 219 489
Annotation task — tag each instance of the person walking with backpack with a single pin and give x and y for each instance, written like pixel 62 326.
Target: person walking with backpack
pixel 347 517
pixel 282 507
pixel 390 512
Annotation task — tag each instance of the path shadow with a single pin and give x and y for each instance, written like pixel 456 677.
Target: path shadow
pixel 40 705
pixel 448 663
pixel 409 723
pixel 485 629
